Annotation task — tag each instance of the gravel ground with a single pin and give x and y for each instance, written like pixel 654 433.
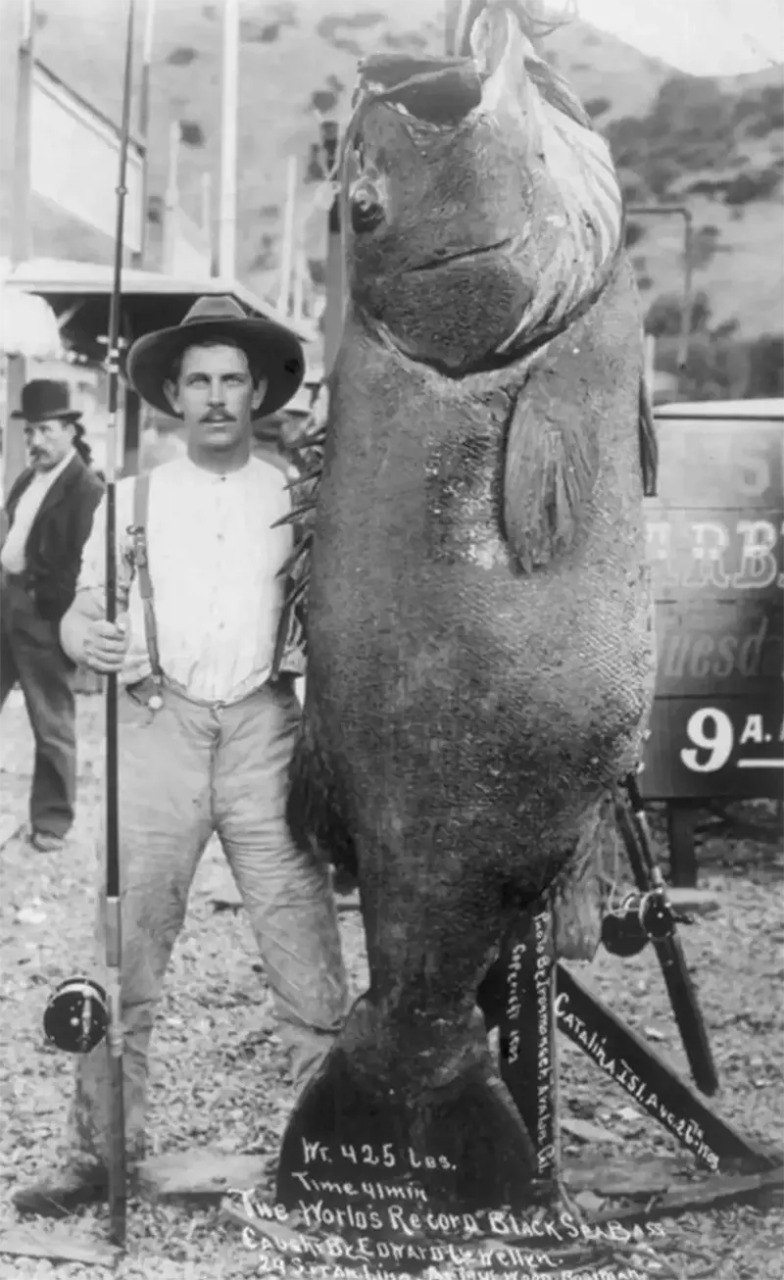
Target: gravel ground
pixel 218 1076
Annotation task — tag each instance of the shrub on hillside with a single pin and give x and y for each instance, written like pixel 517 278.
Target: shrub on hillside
pixel 689 127
pixel 766 366
pixel 761 111
pixel 661 174
pixel 634 233
pixel 665 314
pixel 182 56
pixel 704 246
pixel 752 184
pixel 715 370
pixel 191 133
pixel 259 32
pixel 328 26
pixel 404 41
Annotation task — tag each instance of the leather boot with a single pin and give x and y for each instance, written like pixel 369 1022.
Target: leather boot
pixel 58 1194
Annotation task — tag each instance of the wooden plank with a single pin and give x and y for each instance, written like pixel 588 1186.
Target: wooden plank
pixel 586 1131
pixel 610 1175
pixel 57 1246
pixel 199 1173
pixel 708 1193
pixel 636 1067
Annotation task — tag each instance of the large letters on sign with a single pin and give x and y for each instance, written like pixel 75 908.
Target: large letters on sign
pixel 715 551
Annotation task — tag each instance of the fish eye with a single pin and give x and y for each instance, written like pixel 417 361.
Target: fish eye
pixel 365 207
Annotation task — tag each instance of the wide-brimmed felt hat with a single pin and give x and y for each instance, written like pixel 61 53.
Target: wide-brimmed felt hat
pixel 43 399
pixel 276 351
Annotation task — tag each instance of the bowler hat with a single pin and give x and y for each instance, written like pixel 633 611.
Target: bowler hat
pixel 276 351
pixel 43 398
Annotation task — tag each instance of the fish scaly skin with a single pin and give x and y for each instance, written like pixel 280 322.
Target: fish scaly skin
pixel 480 652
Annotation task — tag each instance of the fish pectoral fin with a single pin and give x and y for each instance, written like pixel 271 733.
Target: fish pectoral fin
pixel 550 470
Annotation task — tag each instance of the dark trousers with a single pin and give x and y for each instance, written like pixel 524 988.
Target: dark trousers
pixel 30 654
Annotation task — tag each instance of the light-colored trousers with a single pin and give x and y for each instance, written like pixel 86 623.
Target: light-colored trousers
pixel 186 771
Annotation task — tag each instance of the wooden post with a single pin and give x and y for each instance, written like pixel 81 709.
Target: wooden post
pixel 287 245
pixel 205 215
pixel 14 451
pixel 335 284
pixel 172 198
pixel 227 231
pixel 681 818
pixel 298 292
pixel 138 259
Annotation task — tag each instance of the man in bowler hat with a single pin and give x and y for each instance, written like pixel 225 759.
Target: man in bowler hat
pixel 49 513
pixel 208 719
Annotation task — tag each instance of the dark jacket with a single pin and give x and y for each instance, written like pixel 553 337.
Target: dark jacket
pixel 59 531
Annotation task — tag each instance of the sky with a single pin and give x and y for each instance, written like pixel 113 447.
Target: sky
pixel 704 37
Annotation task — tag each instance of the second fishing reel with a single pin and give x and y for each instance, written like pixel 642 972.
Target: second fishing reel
pixel 76 1016
pixel 640 919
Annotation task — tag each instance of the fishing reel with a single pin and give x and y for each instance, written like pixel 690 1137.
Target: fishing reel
pixel 640 919
pixel 76 1016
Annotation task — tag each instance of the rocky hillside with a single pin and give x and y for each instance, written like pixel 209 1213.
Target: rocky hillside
pixel 716 145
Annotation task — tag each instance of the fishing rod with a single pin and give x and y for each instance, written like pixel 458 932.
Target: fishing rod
pixel 114 1036
pixel 80 1013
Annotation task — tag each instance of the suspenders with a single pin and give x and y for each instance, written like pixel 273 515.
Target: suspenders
pixel 138 532
pixel 287 657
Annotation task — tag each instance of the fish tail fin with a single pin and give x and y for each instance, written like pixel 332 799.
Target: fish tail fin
pixel 394 1136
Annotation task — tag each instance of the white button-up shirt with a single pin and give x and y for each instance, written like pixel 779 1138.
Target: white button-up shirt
pixel 12 556
pixel 214 561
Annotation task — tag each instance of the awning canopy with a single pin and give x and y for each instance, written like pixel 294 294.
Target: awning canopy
pixel 28 325
pixel 79 294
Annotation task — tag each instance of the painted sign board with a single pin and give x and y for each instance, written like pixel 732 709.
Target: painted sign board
pixel 715 549
pixel 75 157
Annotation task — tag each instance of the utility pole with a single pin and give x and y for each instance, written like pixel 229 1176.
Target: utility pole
pixel 227 225
pixel 333 317
pixel 172 198
pixel 287 242
pixel 139 259
pixel 14 451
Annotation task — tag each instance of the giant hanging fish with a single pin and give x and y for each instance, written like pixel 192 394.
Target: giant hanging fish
pixel 478 614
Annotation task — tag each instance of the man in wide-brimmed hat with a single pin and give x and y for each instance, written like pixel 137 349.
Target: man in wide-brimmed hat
pixel 48 514
pixel 207 723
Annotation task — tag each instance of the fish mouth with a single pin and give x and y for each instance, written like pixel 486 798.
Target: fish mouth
pixel 446 259
pixel 438 94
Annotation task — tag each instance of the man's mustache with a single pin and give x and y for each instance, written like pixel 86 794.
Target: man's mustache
pixel 217 415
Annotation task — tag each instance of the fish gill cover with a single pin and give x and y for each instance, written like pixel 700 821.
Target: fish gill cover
pixel 480 652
